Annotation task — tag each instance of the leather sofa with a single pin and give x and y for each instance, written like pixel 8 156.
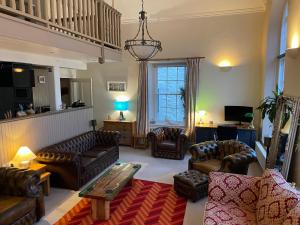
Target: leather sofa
pixel 230 156
pixel 169 143
pixel 21 197
pixel 76 161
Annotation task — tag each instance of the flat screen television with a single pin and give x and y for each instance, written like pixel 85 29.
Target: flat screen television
pixel 238 113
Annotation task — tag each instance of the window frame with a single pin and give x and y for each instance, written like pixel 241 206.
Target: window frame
pixel 282 49
pixel 154 95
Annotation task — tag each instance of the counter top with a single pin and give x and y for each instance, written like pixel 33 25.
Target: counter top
pixel 44 114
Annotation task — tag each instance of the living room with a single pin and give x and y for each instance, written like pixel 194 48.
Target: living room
pixel 108 117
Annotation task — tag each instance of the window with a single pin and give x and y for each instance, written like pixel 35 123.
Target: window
pixel 283 46
pixel 167 88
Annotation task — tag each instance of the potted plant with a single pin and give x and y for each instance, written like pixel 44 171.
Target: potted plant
pixel 268 108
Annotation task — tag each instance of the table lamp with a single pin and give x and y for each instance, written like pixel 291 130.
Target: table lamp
pixel 121 106
pixel 23 157
pixel 201 114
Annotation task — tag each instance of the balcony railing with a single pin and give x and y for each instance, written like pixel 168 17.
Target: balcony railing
pixel 90 20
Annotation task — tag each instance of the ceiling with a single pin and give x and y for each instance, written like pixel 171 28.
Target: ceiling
pixel 164 10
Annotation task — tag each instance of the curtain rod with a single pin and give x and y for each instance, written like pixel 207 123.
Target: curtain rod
pixel 174 59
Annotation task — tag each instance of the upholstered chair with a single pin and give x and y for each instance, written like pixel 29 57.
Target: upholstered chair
pixel 21 197
pixel 169 143
pixel 221 156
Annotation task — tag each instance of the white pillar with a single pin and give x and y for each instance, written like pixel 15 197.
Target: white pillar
pixel 54 86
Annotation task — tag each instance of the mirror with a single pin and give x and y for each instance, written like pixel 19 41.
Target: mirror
pixel 76 92
pixel 284 134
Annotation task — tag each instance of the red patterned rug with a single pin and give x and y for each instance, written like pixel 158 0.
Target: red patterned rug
pixel 145 203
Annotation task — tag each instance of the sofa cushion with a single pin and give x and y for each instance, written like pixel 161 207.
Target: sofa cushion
pixel 86 161
pixel 212 165
pixel 276 199
pixel 227 214
pixel 13 208
pixel 167 145
pixel 94 153
pixel 293 218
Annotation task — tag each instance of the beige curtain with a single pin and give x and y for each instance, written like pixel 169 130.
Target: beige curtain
pixel 192 90
pixel 142 122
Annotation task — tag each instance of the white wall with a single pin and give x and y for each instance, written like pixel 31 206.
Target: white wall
pixel 103 100
pixel 41 131
pixel 237 38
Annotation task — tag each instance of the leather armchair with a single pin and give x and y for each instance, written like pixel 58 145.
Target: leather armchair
pixel 230 156
pixel 168 143
pixel 21 197
pixel 74 162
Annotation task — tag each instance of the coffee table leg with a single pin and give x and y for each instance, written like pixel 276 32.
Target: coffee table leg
pixel 100 209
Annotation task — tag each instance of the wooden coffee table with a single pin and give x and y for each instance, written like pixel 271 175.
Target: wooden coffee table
pixel 105 188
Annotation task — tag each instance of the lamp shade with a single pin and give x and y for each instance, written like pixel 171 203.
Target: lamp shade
pixel 24 154
pixel 121 105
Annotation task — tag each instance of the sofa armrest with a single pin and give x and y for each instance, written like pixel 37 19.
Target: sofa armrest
pixel 241 190
pixel 238 162
pixel 50 156
pixel 108 138
pixel 19 182
pixel 204 151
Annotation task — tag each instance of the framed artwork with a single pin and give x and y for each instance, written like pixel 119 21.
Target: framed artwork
pixel 42 79
pixel 116 86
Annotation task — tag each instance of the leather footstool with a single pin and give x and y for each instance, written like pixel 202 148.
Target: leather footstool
pixel 191 184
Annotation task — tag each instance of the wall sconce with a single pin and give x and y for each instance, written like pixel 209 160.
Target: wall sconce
pixel 23 157
pixel 225 66
pixel 293 52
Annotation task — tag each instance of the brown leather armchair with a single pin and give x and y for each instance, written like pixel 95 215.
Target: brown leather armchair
pixel 230 156
pixel 21 198
pixel 169 143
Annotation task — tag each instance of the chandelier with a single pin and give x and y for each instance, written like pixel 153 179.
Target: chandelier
pixel 143 47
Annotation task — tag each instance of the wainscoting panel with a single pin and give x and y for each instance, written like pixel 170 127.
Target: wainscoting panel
pixel 42 131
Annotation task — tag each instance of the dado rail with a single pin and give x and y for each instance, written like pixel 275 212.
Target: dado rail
pixel 90 20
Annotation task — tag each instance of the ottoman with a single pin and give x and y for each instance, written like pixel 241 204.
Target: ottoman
pixel 191 184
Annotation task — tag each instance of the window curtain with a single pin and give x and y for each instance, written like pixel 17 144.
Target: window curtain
pixel 192 91
pixel 142 123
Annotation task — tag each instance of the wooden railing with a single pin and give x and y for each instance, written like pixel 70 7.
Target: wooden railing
pixel 90 20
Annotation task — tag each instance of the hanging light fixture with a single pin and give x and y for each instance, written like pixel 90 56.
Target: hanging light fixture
pixel 142 47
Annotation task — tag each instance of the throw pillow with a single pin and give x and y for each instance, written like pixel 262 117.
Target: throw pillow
pixel 276 199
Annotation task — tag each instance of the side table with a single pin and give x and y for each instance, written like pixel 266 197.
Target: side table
pixel 140 142
pixel 44 176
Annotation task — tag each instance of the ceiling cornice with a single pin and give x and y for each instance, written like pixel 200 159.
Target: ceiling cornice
pixel 200 15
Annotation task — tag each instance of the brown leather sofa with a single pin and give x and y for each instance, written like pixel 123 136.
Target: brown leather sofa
pixel 230 156
pixel 169 143
pixel 21 198
pixel 74 162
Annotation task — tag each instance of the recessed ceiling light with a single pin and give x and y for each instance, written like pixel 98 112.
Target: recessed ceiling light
pixel 18 70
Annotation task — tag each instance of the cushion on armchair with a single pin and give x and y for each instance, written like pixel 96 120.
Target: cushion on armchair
pixel 208 166
pixel 276 199
pixel 167 145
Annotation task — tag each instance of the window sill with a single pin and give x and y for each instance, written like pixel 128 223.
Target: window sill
pixel 156 125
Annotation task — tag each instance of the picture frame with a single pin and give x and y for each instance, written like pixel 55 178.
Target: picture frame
pixel 116 86
pixel 42 79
